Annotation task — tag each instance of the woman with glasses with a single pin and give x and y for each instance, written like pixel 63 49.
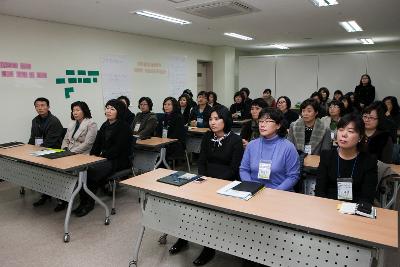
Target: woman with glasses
pixel 284 104
pixel 377 139
pixel 271 159
pixel 145 121
pixel 335 111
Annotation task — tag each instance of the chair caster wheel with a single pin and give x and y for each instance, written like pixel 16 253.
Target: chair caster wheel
pixel 107 221
pixel 132 263
pixel 113 211
pixel 163 239
pixel 66 238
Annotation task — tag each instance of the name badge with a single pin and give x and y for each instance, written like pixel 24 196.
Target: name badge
pixel 165 133
pixel 264 169
pixel 38 141
pixel 137 126
pixel 239 113
pixel 307 149
pixel 333 135
pixel 199 121
pixel 345 188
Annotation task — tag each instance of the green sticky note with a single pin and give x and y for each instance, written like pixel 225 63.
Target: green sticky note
pixel 69 72
pixel 79 80
pixel 81 72
pixel 67 91
pixel 93 73
pixel 86 80
pixel 95 80
pixel 72 80
pixel 60 80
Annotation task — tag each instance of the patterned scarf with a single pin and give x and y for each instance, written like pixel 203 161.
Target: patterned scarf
pixel 218 141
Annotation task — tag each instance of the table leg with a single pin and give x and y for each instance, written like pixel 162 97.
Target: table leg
pixel 393 200
pixel 134 262
pixel 90 193
pixel 163 155
pixel 70 204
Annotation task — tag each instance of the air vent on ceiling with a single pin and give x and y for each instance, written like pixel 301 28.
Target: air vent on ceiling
pixel 218 9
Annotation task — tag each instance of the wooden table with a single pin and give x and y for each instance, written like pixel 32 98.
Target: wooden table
pixel 61 178
pixel 275 228
pixel 241 122
pixel 150 153
pixel 196 130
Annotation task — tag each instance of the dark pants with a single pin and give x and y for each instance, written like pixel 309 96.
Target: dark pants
pixel 96 177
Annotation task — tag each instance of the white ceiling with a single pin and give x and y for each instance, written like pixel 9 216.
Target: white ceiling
pixel 291 22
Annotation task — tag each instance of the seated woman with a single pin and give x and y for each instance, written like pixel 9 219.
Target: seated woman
pixel 249 130
pixel 335 111
pixel 308 133
pixel 80 136
pixel 348 105
pixel 377 139
pixel 284 104
pixel 392 109
pixel 185 107
pixel 113 142
pixel 237 108
pixel 271 159
pixel 212 99
pixel 171 125
pixel 347 166
pixel 145 121
pixel 129 116
pixel 201 112
pixel 220 156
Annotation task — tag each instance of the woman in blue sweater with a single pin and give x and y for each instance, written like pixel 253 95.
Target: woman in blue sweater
pixel 271 159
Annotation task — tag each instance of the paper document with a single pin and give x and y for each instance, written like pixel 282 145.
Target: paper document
pixel 228 191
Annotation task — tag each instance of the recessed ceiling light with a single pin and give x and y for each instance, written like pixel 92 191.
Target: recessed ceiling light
pixel 155 15
pixel 239 36
pixel 366 41
pixel 279 46
pixel 322 3
pixel 351 26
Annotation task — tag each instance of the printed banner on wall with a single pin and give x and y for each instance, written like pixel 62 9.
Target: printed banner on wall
pixel 116 77
pixel 177 75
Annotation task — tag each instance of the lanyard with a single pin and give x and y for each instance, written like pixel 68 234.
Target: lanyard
pixel 338 166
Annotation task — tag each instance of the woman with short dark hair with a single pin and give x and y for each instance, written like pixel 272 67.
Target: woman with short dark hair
pixel 392 109
pixel 335 111
pixel 237 108
pixel 212 99
pixel 249 129
pixel 185 107
pixel 284 104
pixel 364 93
pixel 348 167
pixel 271 159
pixel 145 121
pixel 220 155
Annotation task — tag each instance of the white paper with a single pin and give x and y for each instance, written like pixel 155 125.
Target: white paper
pixel 228 191
pixel 116 74
pixel 348 208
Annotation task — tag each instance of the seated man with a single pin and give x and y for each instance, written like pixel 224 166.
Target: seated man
pixel 46 131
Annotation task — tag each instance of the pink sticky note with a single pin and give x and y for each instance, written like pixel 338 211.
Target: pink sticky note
pixel 5 65
pixel 25 66
pixel 22 74
pixel 7 73
pixel 41 74
pixel 31 75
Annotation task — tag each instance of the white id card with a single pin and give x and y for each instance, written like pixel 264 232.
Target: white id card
pixel 239 113
pixel 345 188
pixel 199 121
pixel 137 126
pixel 307 149
pixel 164 133
pixel 333 135
pixel 264 169
pixel 38 141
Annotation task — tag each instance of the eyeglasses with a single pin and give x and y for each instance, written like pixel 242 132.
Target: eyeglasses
pixel 333 106
pixel 367 118
pixel 266 121
pixel 281 102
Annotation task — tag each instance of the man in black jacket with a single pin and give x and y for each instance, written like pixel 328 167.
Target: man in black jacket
pixel 46 131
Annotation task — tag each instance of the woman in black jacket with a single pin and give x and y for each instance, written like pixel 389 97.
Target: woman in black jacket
pixel 346 167
pixel 171 125
pixel 220 156
pixel 185 107
pixel 113 142
pixel 237 108
pixel 364 93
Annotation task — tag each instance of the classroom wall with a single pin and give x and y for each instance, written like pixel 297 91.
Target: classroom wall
pixel 54 48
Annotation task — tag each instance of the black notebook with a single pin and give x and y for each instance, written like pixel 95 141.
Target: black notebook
pixel 58 155
pixel 178 178
pixel 247 186
pixel 11 144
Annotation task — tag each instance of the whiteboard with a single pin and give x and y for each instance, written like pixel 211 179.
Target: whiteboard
pixel 384 69
pixel 257 74
pixel 341 72
pixel 296 77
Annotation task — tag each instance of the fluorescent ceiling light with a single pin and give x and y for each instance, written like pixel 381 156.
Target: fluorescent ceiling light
pixel 279 46
pixel 351 26
pixel 239 36
pixel 321 3
pixel 366 41
pixel 154 15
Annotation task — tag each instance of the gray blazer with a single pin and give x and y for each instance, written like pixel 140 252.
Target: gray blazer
pixel 83 139
pixel 320 137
